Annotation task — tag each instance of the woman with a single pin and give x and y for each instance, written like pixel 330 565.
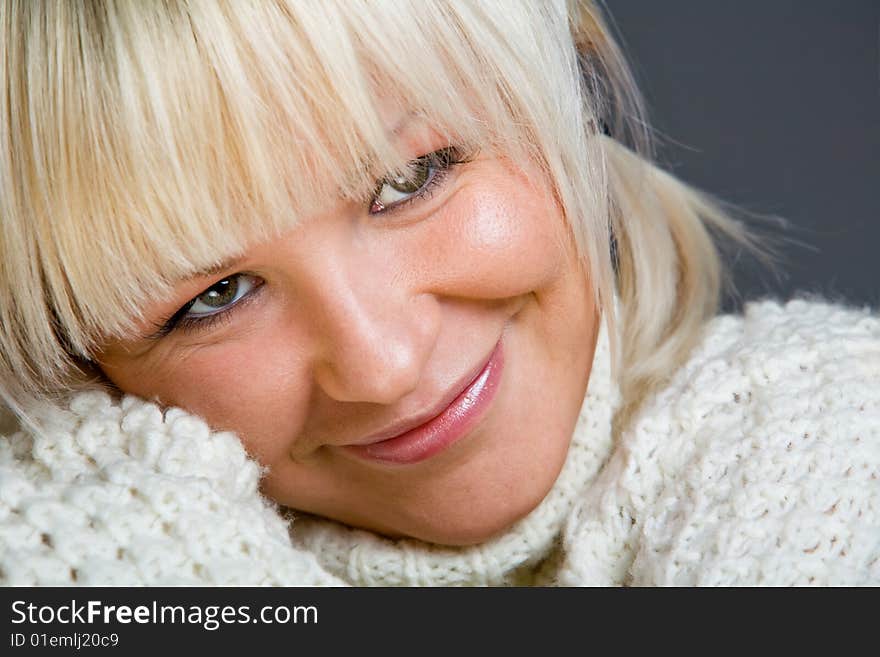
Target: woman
pixel 444 326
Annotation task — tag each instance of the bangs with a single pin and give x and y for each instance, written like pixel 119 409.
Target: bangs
pixel 150 141
pixel 162 139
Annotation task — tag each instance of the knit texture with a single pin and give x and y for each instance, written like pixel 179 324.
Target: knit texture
pixel 757 463
pixel 121 494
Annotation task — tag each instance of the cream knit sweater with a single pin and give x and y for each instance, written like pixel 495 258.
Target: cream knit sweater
pixel 758 463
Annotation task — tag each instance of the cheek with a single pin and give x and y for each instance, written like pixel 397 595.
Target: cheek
pixel 252 386
pixel 499 240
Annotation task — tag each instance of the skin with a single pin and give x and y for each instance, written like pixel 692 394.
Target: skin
pixel 362 320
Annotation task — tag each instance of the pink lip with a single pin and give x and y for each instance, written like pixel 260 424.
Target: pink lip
pixel 437 433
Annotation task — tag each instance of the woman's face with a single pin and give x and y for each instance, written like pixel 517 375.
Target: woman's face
pixel 413 365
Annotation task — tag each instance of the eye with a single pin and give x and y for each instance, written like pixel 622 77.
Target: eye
pixel 395 189
pixel 220 296
pixel 423 174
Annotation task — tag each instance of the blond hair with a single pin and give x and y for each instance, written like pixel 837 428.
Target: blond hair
pixel 141 142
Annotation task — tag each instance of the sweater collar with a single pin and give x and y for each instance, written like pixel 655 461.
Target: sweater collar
pixel 523 554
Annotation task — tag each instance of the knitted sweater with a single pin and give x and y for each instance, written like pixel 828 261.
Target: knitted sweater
pixel 757 463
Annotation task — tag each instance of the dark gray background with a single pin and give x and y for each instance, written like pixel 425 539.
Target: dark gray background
pixel 773 105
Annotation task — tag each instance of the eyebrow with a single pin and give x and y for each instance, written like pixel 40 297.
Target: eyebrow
pixel 217 268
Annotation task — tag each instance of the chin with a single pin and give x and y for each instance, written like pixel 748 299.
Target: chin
pixel 470 523
pixel 481 500
pixel 459 520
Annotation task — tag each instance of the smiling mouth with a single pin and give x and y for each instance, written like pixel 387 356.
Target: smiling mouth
pixel 421 439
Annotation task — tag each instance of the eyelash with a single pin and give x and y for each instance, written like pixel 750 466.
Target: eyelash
pixel 441 162
pixel 179 321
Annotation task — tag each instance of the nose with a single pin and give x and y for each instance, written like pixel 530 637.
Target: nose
pixel 374 332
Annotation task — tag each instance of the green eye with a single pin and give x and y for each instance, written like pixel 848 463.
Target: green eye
pixel 399 188
pixel 422 174
pixel 222 294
